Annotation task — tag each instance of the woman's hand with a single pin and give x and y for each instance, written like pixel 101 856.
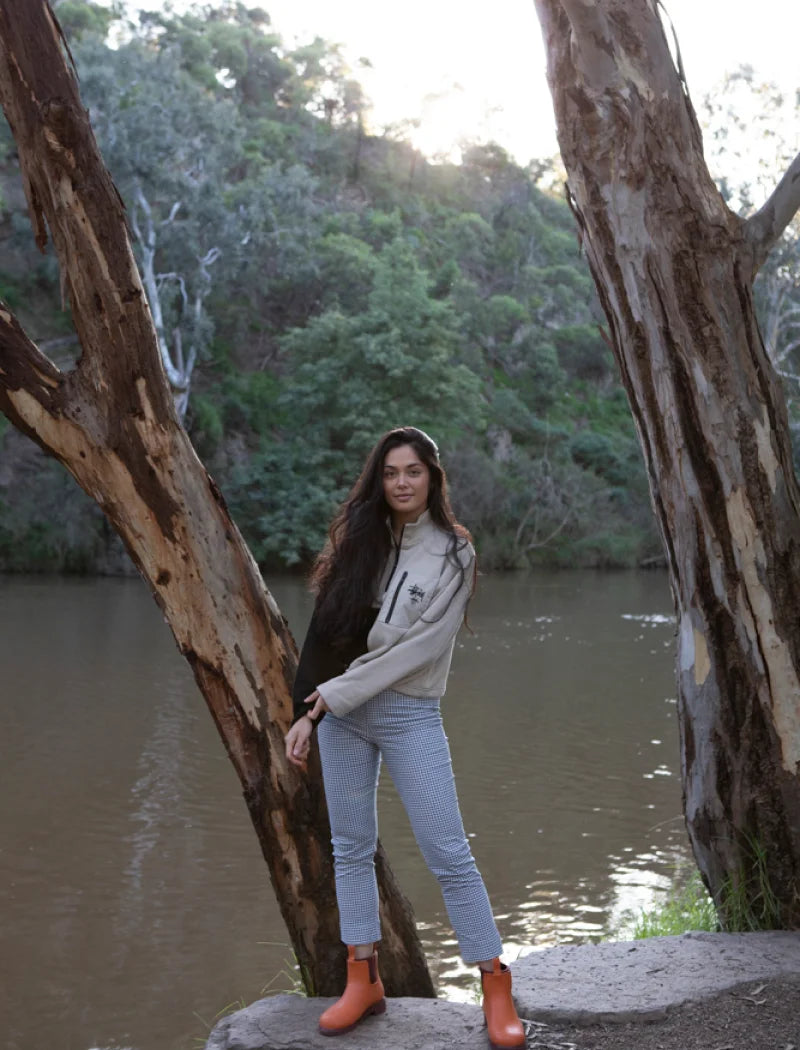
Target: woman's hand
pixel 319 705
pixel 298 739
pixel 298 742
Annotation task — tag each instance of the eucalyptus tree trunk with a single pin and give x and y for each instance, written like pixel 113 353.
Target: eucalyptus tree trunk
pixel 674 268
pixel 112 422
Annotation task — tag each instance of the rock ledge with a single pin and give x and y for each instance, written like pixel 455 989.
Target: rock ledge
pixel 588 983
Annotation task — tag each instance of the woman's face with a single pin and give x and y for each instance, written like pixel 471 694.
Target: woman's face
pixel 406 484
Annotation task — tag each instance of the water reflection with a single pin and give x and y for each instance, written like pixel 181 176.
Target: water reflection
pixel 130 875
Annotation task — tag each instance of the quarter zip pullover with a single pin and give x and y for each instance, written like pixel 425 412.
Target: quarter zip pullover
pixel 423 593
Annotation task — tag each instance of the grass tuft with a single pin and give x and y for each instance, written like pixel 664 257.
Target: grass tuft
pixel 747 901
pixel 691 908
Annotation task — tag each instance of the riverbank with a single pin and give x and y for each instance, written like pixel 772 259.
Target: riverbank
pixel 702 991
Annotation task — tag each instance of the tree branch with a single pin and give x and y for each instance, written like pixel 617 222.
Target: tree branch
pixel 764 228
pixel 173 212
pixel 787 351
pixel 177 342
pixel 29 381
pixel 789 375
pixel 152 283
pixel 522 524
pixel 535 544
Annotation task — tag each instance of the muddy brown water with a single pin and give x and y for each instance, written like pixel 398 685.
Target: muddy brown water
pixel 134 903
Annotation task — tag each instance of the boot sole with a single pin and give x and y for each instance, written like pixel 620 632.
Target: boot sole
pixel 376 1008
pixel 515 1046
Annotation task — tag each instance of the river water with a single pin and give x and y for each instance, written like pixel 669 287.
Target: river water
pixel 135 904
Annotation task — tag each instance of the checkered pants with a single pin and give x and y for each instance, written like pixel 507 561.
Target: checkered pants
pixel 407 733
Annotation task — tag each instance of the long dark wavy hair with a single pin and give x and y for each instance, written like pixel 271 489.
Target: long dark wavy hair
pixel 347 571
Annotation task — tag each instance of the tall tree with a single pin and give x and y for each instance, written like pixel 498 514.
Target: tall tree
pixel 112 422
pixel 674 267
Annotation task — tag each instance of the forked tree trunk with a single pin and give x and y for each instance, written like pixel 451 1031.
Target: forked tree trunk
pixel 111 421
pixel 674 268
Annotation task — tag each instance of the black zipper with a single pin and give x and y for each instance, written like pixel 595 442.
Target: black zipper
pixel 396 596
pixel 397 547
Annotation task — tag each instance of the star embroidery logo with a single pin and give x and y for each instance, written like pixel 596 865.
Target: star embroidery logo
pixel 416 594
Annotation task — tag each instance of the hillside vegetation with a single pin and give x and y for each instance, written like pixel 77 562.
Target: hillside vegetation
pixel 316 282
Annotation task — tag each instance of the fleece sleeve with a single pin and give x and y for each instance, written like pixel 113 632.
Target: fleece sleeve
pixel 421 644
pixel 315 660
pixel 320 660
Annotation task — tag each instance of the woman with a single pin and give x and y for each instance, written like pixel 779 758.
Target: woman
pixel 392 588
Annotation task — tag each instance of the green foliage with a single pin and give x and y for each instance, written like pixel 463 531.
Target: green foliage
pixel 582 352
pixel 595 451
pixel 746 902
pixel 689 908
pixel 393 361
pixel 539 377
pixel 350 378
pixel 508 410
pixel 205 425
pixel 354 286
pixel 347 270
pixel 80 18
pixel 283 500
pixel 11 292
pixel 49 525
pixel 606 549
pixel 250 402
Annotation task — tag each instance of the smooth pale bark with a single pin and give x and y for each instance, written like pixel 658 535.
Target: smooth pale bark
pixel 112 422
pixel 674 268
pixel 179 371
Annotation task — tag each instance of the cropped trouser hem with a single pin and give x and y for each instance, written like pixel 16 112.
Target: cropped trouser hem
pixel 407 733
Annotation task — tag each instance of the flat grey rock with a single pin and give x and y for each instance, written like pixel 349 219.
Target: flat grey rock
pixel 289 1022
pixel 641 980
pixel 619 981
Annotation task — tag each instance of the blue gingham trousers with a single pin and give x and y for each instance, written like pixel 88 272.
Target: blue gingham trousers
pixel 407 733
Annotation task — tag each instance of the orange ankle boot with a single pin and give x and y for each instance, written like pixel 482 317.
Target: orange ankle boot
pixel 363 996
pixel 505 1028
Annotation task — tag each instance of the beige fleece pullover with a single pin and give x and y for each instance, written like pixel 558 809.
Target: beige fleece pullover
pixel 422 595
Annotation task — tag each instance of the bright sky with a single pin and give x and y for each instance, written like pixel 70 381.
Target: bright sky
pixel 476 71
pixel 485 61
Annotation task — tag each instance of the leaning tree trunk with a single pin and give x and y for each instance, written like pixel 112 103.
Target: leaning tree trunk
pixel 674 268
pixel 111 421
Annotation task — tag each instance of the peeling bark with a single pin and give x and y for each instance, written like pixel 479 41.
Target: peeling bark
pixel 674 269
pixel 112 423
